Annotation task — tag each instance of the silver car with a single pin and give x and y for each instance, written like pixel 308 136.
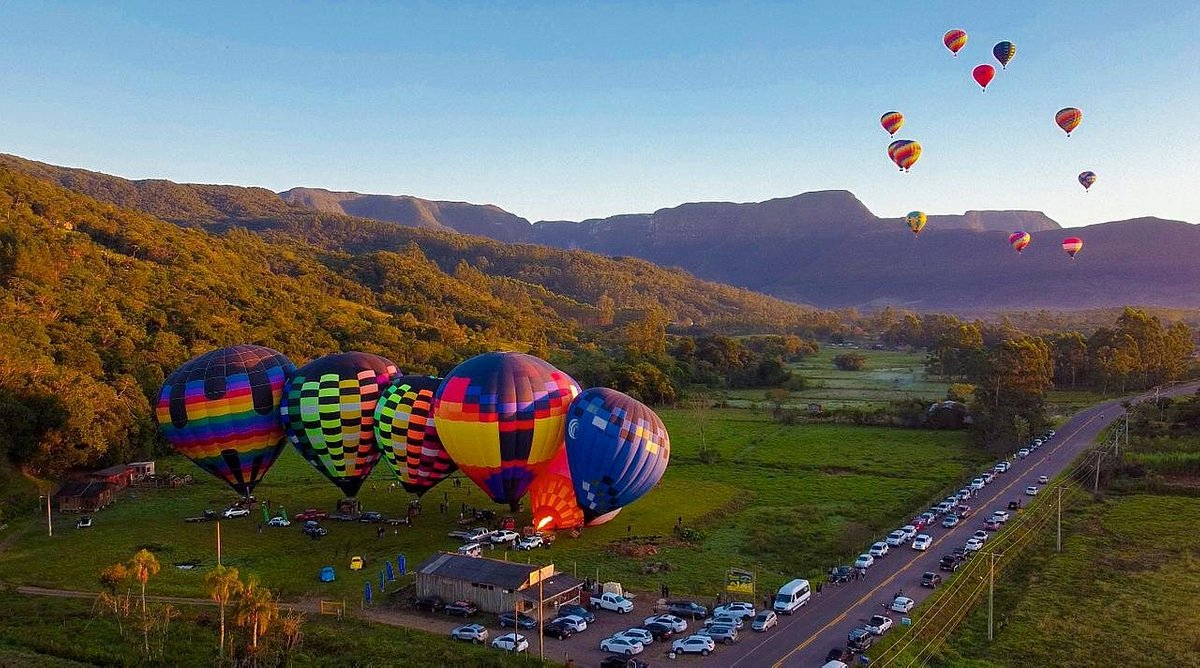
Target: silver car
pixel 475 633
pixel 724 633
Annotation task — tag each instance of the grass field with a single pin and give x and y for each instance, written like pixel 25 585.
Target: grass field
pixel 1122 593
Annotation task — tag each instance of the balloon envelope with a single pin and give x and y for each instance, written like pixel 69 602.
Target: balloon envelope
pixel 1072 245
pixel 1019 240
pixel 617 448
pixel 916 221
pixel 552 496
pixel 892 121
pixel 407 434
pixel 906 153
pixel 1068 118
pixel 955 40
pixel 1086 179
pixel 221 410
pixel 500 415
pixel 328 413
pixel 1004 52
pixel 983 75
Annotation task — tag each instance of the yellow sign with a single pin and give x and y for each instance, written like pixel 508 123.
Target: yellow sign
pixel 738 581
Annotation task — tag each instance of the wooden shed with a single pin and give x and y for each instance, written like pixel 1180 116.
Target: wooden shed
pixel 119 476
pixel 494 585
pixel 83 496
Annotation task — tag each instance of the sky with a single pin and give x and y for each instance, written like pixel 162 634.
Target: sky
pixel 570 110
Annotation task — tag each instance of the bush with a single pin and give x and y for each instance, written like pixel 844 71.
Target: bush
pixel 850 362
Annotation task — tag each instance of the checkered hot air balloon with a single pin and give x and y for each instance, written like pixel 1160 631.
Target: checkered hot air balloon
pixel 501 415
pixel 617 448
pixel 328 413
pixel 407 434
pixel 221 410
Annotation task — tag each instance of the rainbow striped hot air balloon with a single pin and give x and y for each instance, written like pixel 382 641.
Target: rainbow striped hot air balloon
pixel 407 434
pixel 905 153
pixel 1019 240
pixel 1072 245
pixel 892 121
pixel 221 410
pixel 617 448
pixel 1087 179
pixel 328 413
pixel 955 40
pixel 500 416
pixel 1068 118
pixel 552 496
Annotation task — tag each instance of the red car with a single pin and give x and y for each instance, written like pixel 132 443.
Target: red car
pixel 311 514
pixel 918 522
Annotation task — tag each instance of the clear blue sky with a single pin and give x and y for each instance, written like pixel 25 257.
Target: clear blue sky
pixel 563 110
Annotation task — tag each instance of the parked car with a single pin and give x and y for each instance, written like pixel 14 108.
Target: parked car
pixel 962 510
pixel 530 542
pixel 614 602
pixel 859 640
pixel 931 579
pixel 991 525
pixel 310 514
pixel 279 522
pixel 314 529
pixel 740 609
pixel 677 625
pixel 839 655
pixel 840 574
pixel 988 477
pixel 922 542
pixel 327 574
pixel 695 644
pixel 475 633
pixel 895 538
pixel 927 517
pixel 559 629
pixel 659 630
pixel 577 624
pixel 764 620
pixel 974 545
pixel 902 604
pixel 980 535
pixel 1023 453
pixel 505 536
pixel 622 661
pixel 909 531
pixel 461 609
pixel 84 522
pixel 878 550
pixel 950 521
pixel 864 561
pixel 687 609
pixel 732 620
pixel 1031 490
pixel 621 645
pixel 961 553
pixel 1000 516
pixel 639 634
pixel 1043 479
pixel 878 624
pixel 578 611
pixel 356 563
pixel 977 484
pixel 518 620
pixel 511 642
pixel 371 517
pixel 722 633
pixel 235 512
pixel 430 603
pixel 1015 504
pixel 949 563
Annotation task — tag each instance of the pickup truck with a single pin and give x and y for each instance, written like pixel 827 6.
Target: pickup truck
pixel 476 535
pixel 614 602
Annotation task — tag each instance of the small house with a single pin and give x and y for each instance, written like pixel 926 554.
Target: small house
pixel 119 476
pixel 83 496
pixel 494 585
pixel 142 470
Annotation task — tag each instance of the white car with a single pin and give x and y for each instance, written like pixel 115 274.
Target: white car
pixel 878 624
pixel 910 532
pixel 903 604
pixel 677 624
pixel 950 521
pixel 980 535
pixel 977 484
pixel 511 642
pixel 235 512
pixel 864 561
pixel 878 549
pixel 1031 490
pixel 619 644
pixel 505 536
pixel 729 620
pixel 1043 479
pixel 922 542
pixel 530 542
pixel 637 635
pixel 1000 516
pixel 475 633
pixel 576 623
pixel 279 522
pixel 895 538
pixel 739 609
pixel 702 645
pixel 1023 453
pixel 988 477
pixel 974 545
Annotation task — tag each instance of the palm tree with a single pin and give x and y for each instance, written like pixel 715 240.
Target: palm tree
pixel 143 565
pixel 223 584
pixel 256 609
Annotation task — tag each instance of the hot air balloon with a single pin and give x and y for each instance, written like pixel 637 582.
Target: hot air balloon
pixel 1068 118
pixel 328 413
pixel 916 221
pixel 221 410
pixel 1019 240
pixel 955 40
pixel 407 435
pixel 905 153
pixel 891 149
pixel 1004 52
pixel 892 122
pixel 1072 245
pixel 617 448
pixel 501 415
pixel 1086 179
pixel 983 75
pixel 552 496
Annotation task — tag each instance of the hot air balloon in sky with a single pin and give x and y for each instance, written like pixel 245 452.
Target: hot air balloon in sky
pixel 1086 179
pixel 617 448
pixel 407 435
pixel 1004 52
pixel 916 221
pixel 552 496
pixel 891 149
pixel 1072 245
pixel 1068 118
pixel 983 75
pixel 328 413
pixel 221 410
pixel 955 40
pixel 905 153
pixel 500 416
pixel 892 121
pixel 1019 240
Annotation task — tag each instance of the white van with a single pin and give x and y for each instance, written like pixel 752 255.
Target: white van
pixel 471 550
pixel 791 596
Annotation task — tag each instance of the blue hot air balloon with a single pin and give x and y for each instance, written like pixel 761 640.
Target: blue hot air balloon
pixel 617 449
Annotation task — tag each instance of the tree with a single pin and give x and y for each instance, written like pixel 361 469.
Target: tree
pixel 1017 375
pixel 1070 356
pixel 850 362
pixel 647 336
pixel 143 566
pixel 112 579
pixel 223 584
pixel 256 611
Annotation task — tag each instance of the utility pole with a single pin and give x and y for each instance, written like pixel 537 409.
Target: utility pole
pixel 218 542
pixel 49 525
pixel 541 617
pixel 1060 491
pixel 991 590
pixel 1096 485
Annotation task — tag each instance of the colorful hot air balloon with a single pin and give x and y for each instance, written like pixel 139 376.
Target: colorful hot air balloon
pixel 891 149
pixel 955 40
pixel 905 154
pixel 500 415
pixel 1086 179
pixel 1004 52
pixel 1068 118
pixel 1019 240
pixel 552 496
pixel 328 413
pixel 1072 245
pixel 221 410
pixel 916 221
pixel 407 435
pixel 983 75
pixel 617 448
pixel 892 122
